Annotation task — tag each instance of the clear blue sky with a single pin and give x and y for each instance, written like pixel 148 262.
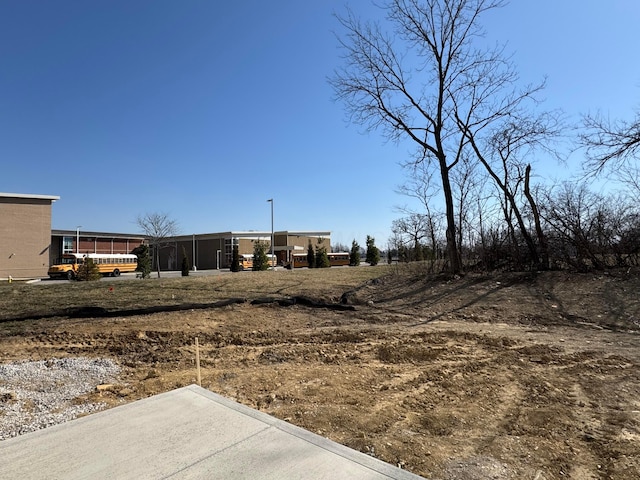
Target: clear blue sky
pixel 205 109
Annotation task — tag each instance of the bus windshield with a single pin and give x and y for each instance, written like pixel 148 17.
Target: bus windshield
pixel 68 261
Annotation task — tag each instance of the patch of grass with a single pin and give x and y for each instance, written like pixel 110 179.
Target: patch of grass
pixel 20 300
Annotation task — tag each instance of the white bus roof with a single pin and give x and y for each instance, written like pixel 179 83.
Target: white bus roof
pixel 102 255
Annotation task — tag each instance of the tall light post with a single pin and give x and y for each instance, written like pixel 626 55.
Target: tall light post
pixel 78 238
pixel 270 259
pixel 193 253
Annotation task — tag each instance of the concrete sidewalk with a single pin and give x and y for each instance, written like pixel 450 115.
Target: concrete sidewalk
pixel 188 433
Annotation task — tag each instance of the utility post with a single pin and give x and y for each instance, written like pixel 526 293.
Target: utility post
pixel 271 258
pixel 78 238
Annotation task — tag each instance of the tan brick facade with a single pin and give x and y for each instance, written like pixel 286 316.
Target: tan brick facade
pixel 25 235
pixel 28 245
pixel 213 250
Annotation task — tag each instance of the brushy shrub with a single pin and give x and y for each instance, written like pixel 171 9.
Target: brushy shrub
pixel 235 259
pixel 260 259
pixel 88 271
pixel 144 260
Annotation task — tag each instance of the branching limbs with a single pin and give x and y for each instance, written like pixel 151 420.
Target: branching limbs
pixel 157 227
pixel 609 143
pixel 407 82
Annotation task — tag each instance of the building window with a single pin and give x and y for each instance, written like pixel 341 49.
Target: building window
pixel 228 249
pixel 67 244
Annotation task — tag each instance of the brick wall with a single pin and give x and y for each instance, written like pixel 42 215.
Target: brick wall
pixel 25 237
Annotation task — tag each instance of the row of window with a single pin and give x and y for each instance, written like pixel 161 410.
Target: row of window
pixel 105 261
pixel 69 245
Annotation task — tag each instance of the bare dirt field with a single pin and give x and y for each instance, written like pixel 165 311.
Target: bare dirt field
pixel 500 376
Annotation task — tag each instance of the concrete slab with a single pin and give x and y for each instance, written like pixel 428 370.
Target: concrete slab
pixel 189 433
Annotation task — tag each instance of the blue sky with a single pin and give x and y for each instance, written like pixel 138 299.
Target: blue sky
pixel 205 109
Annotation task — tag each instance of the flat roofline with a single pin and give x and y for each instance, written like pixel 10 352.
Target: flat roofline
pixel 248 234
pixel 53 198
pixel 87 233
pixel 197 236
pixel 311 233
pixel 281 232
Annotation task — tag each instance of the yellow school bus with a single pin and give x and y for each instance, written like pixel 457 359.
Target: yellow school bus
pixel 108 264
pixel 246 261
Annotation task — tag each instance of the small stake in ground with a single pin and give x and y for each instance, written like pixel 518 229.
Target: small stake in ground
pixel 198 363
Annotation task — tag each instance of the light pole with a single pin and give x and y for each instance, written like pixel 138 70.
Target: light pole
pixel 270 259
pixel 193 253
pixel 78 238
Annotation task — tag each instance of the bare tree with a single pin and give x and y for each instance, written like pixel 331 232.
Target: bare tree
pixel 421 187
pixel 429 82
pixel 610 143
pixel 503 151
pixel 577 220
pixel 158 227
pixel 488 251
pixel 339 247
pixel 465 179
pixel 629 175
pixel 414 227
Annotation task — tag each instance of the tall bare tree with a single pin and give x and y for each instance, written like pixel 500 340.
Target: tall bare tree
pixel 503 150
pixel 428 80
pixel 158 227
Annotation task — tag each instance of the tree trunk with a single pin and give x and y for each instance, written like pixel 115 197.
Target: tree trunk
pixel 509 199
pixel 542 239
pixel 453 256
pixel 158 260
pixel 523 230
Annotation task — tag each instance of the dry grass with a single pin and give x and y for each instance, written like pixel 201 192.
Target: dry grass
pixel 21 300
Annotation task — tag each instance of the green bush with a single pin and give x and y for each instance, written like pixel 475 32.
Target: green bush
pixel 354 254
pixel 322 259
pixel 373 254
pixel 311 256
pixel 88 271
pixel 260 259
pixel 235 259
pixel 144 260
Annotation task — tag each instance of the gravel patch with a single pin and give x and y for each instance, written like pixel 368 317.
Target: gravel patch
pixel 35 395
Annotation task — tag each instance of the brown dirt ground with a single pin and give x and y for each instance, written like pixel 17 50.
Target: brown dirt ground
pixel 504 376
